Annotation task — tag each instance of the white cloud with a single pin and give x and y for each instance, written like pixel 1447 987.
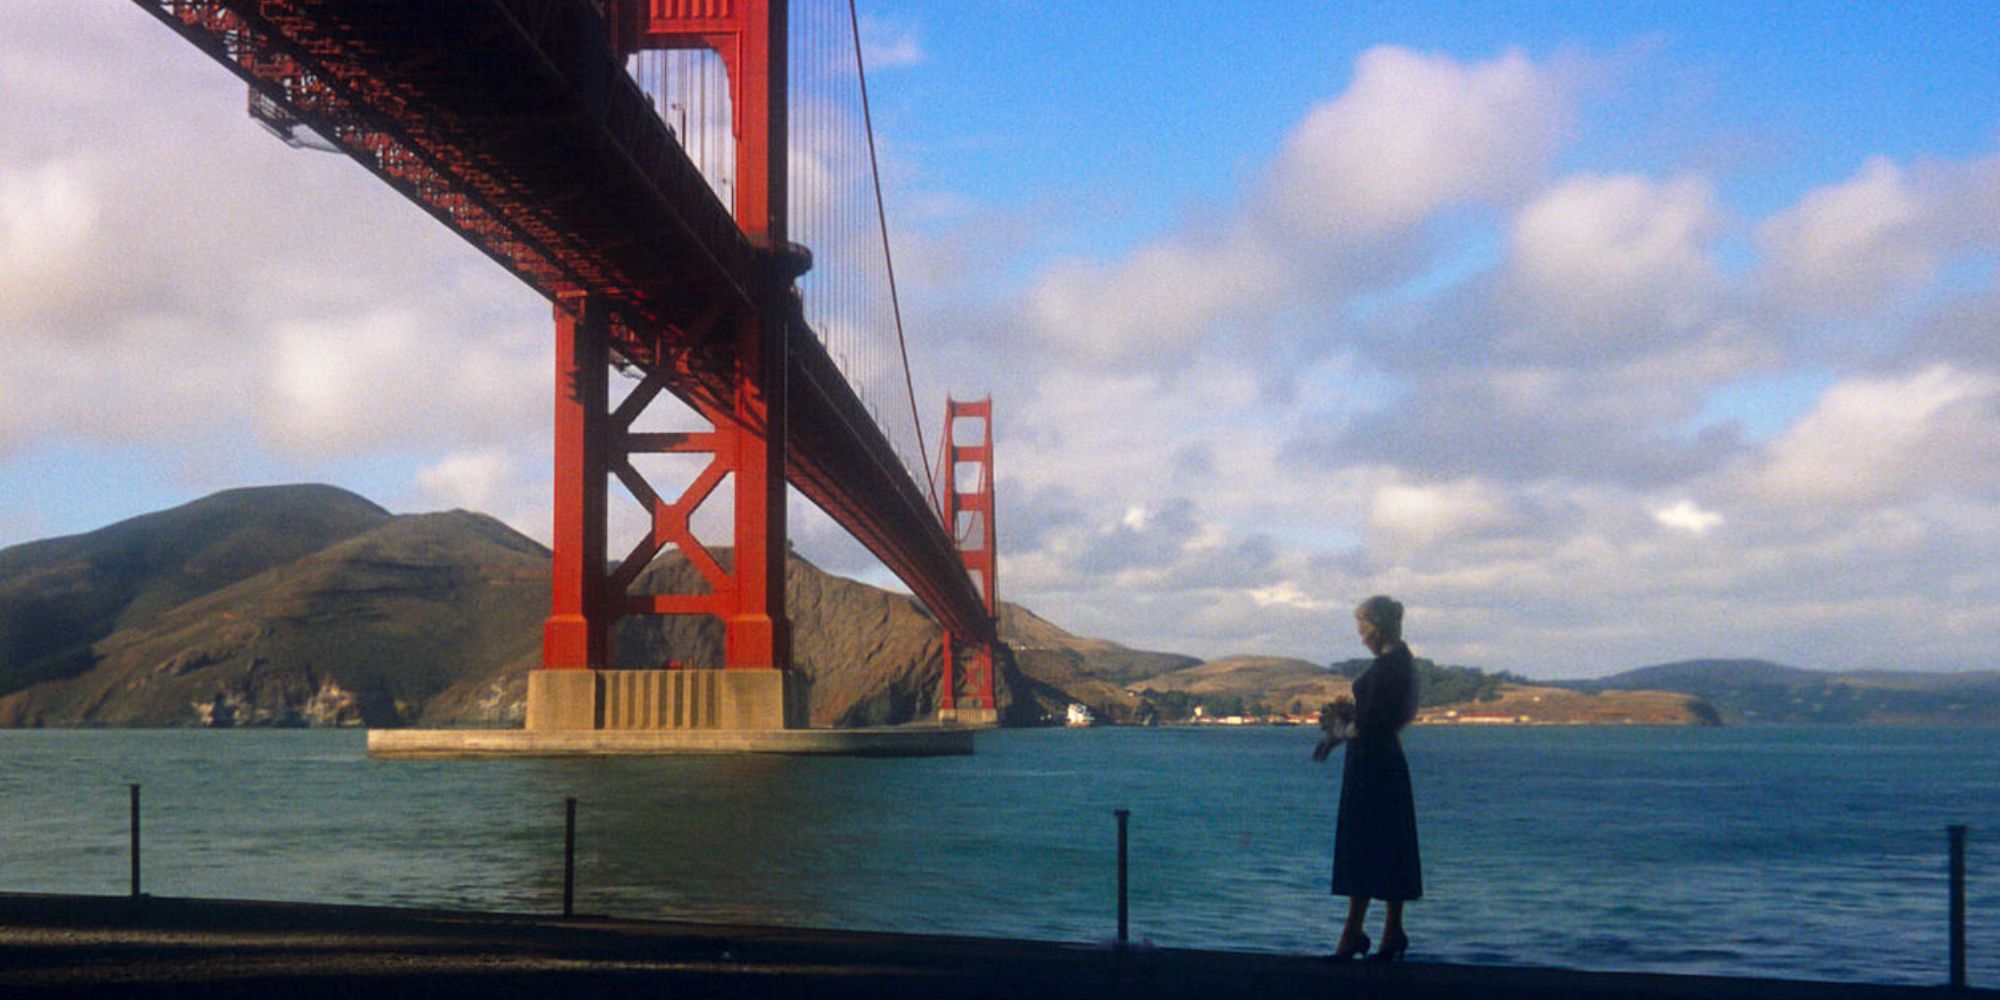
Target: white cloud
pixel 342 385
pixel 1354 186
pixel 1879 439
pixel 1322 387
pixel 1135 518
pixel 147 378
pixel 232 283
pixel 1618 423
pixel 1415 133
pixel 1689 517
pixel 1851 245
pixel 48 215
pixel 890 46
pixel 1158 303
pixel 1514 446
pixel 1612 261
pixel 1285 594
pixel 473 480
pixel 1860 245
pixel 1424 515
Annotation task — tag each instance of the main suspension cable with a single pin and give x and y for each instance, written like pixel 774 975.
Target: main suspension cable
pixel 888 258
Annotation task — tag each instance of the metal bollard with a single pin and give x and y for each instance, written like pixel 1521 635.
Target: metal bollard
pixel 135 841
pixel 1956 836
pixel 569 856
pixel 1123 926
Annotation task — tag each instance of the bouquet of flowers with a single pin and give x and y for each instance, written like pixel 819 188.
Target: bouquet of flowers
pixel 1336 718
pixel 1336 723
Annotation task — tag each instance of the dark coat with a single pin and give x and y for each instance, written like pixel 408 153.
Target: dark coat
pixel 1375 843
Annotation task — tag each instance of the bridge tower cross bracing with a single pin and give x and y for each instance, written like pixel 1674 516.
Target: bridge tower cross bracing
pixel 747 444
pixel 518 125
pixel 968 516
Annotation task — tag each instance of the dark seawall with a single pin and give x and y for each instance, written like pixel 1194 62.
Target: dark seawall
pixel 98 946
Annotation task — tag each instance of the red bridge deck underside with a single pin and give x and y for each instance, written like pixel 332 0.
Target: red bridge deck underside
pixel 511 122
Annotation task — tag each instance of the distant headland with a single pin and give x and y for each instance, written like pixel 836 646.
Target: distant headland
pixel 311 606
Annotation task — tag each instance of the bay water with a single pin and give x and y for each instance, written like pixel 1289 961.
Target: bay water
pixel 1803 852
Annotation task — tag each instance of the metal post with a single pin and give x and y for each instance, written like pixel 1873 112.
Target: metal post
pixel 1956 835
pixel 1123 936
pixel 135 841
pixel 569 856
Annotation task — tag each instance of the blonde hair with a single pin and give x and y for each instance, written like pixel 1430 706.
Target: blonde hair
pixel 1384 614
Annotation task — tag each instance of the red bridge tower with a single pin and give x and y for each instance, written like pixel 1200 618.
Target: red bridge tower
pixel 968 517
pixel 513 123
pixel 746 442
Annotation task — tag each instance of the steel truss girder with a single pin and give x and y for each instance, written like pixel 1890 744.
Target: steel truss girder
pixel 583 191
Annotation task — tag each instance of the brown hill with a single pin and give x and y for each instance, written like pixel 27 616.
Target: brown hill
pixel 1056 668
pixel 59 596
pixel 1273 680
pixel 1761 691
pixel 1026 631
pixel 308 605
pixel 363 631
pixel 1297 685
pixel 311 606
pixel 1537 705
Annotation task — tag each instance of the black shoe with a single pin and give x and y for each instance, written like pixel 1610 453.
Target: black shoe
pixel 1392 948
pixel 1349 953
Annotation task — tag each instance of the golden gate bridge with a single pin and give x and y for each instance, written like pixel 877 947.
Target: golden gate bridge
pixel 692 184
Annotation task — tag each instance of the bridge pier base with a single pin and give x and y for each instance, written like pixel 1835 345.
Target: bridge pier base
pixel 666 699
pixel 968 716
pixel 598 713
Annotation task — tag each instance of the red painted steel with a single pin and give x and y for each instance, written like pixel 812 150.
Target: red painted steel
pixel 512 122
pixel 976 539
pixel 576 635
pixel 749 597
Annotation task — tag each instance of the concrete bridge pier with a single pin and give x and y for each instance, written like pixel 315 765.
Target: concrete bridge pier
pixel 666 699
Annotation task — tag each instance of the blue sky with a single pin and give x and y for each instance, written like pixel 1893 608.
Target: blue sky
pixel 1602 334
pixel 1173 103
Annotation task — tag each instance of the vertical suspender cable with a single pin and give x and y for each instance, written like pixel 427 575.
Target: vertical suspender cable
pixel 889 261
pixel 710 156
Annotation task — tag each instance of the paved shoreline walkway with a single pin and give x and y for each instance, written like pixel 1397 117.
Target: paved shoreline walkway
pixel 114 946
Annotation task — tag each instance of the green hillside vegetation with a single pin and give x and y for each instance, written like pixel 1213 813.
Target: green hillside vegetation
pixel 1244 685
pixel 1439 684
pixel 61 595
pixel 362 631
pixel 1762 691
pixel 308 605
pixel 1265 685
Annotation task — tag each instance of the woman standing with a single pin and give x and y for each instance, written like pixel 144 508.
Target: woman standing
pixel 1375 842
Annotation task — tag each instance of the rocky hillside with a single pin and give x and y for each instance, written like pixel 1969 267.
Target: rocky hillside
pixel 61 596
pixel 308 605
pixel 1056 668
pixel 365 630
